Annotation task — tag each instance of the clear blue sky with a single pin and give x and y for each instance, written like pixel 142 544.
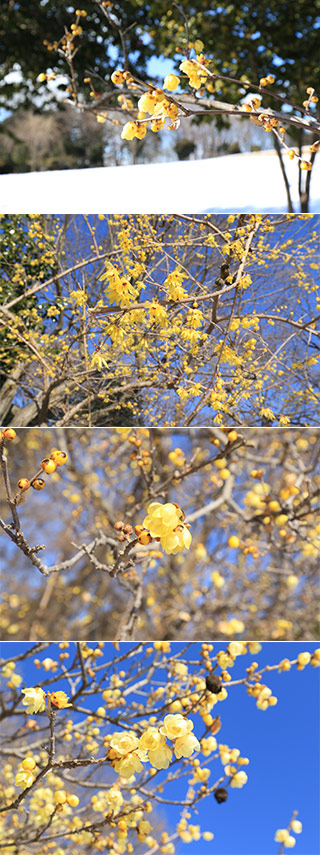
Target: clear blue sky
pixel 282 744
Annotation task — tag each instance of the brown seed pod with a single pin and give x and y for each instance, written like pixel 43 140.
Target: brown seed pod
pixel 220 795
pixel 213 683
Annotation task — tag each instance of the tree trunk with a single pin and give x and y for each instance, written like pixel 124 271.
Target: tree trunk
pixel 284 174
pixel 9 390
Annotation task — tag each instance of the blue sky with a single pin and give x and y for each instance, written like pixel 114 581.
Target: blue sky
pixel 282 744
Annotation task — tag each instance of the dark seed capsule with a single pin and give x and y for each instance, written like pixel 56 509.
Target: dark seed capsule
pixel 213 683
pixel 220 795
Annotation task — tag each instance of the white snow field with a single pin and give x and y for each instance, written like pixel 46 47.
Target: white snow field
pixel 250 182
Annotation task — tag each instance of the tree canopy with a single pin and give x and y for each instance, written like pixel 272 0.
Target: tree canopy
pixel 185 320
pixel 244 38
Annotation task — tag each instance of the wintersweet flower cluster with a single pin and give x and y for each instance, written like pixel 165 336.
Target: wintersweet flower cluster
pixel 128 752
pixel 26 774
pixel 228 757
pixel 48 465
pixel 196 75
pixel 283 835
pixel 119 289
pixel 165 523
pixel 155 104
pixel 35 699
pixel 106 800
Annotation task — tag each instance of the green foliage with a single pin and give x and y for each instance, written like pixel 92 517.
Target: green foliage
pixel 245 38
pixel 248 39
pixel 31 24
pixel 23 260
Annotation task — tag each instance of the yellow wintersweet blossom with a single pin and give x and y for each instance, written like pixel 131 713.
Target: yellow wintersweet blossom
pixel 78 297
pixel 296 826
pixel 166 522
pixel 161 756
pixel 24 779
pixel 171 82
pixel 99 361
pixel 282 836
pixel 166 109
pixel 34 699
pixel 60 700
pixel 159 753
pixel 116 333
pixel 126 766
pixel 112 798
pixel 239 779
pixel 174 541
pixel 196 75
pixel 173 284
pixel 14 680
pixel 185 745
pixel 208 745
pixel 119 290
pixel 125 755
pixel 157 313
pixel 129 131
pixel 245 281
pixel 177 457
pixel 148 101
pixel 124 742
pixel 175 726
pixel 151 739
pixel 162 519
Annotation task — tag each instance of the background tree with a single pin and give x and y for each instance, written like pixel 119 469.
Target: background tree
pixel 251 501
pixel 185 320
pixel 26 256
pixel 31 248
pixel 78 718
pixel 55 139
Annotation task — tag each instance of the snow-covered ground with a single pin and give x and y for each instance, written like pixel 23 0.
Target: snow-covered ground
pixel 238 182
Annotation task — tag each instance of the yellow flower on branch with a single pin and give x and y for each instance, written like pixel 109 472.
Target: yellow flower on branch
pixel 176 541
pixel 197 76
pixel 159 753
pixel 162 519
pixel 124 742
pixel 24 779
pixel 176 726
pixel 129 131
pixel 184 746
pixel 239 779
pixel 128 765
pixel 171 82
pixel 157 313
pixel 60 700
pixel 78 297
pixel 166 523
pixel 34 699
